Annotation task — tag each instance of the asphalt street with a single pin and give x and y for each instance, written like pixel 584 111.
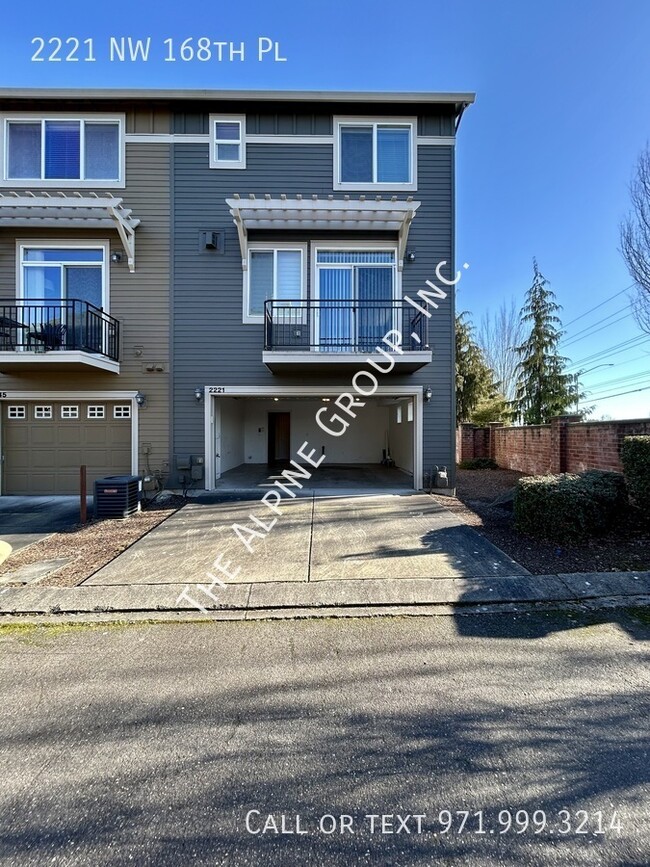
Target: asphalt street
pixel 173 744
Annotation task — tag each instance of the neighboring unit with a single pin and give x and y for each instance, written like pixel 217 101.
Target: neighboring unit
pixel 84 290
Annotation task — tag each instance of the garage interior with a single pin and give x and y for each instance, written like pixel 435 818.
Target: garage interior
pixel 258 436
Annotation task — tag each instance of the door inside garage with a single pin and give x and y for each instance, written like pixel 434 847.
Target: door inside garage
pixel 255 435
pixel 44 443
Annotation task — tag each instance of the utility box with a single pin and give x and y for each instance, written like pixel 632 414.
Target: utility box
pixel 117 496
pixel 196 471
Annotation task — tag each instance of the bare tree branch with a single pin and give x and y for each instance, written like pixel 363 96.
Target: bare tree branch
pixel 635 240
pixel 498 335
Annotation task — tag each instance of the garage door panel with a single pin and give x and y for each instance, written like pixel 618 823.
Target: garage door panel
pixel 70 435
pixel 42 434
pixel 43 456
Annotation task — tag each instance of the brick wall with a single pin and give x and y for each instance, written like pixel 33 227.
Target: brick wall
pixel 565 445
pixel 527 449
pixel 597 445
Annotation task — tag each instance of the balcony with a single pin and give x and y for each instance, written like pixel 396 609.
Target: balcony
pixel 325 335
pixel 49 334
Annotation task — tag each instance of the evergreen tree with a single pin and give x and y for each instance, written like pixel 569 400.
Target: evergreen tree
pixel 474 378
pixel 543 388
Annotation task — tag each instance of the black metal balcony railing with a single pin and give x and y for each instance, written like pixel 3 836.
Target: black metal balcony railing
pixel 40 325
pixel 337 325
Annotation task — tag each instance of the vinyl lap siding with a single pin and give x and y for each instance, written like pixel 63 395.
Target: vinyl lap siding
pixel 140 300
pixel 211 345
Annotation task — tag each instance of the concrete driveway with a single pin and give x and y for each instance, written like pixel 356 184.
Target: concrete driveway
pixel 24 520
pixel 315 539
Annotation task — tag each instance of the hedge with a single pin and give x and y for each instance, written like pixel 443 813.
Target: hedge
pixel 479 464
pixel 568 506
pixel 635 455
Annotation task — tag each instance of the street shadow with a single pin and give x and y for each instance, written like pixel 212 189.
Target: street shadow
pixel 144 767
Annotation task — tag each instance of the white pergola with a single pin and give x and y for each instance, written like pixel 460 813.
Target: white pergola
pixel 75 211
pixel 314 213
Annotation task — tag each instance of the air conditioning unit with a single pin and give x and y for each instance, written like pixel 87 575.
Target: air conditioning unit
pixel 117 496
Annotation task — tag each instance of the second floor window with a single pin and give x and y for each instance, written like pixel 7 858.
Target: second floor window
pixel 62 150
pixel 375 155
pixel 273 274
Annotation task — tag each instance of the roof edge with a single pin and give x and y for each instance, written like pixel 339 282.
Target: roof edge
pixel 461 98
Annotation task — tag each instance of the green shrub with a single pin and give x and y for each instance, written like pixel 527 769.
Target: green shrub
pixel 568 506
pixel 479 464
pixel 635 455
pixel 608 488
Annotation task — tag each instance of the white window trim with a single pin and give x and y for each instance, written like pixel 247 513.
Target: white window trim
pixel 73 412
pixel 21 412
pixel 228 164
pixel 398 413
pixel 64 244
pixel 270 247
pixel 361 247
pixel 96 406
pixel 374 122
pixel 47 408
pixel 64 183
pixel 122 406
pixel 409 411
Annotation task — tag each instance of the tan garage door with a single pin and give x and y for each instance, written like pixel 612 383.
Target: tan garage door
pixel 45 443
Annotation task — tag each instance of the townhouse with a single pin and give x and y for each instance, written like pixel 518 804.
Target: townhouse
pixel 189 279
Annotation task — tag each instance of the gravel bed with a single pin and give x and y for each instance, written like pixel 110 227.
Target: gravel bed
pixel 90 546
pixel 626 547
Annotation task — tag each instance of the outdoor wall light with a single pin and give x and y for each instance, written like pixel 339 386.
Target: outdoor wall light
pixel 198 393
pixel 140 398
pixel 410 255
pixel 428 393
pixel 116 258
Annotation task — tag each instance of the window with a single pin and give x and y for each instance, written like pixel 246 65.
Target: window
pixel 63 150
pixel 69 412
pixel 122 411
pixel 95 412
pixel 227 144
pixel 399 413
pixel 16 412
pixel 54 274
pixel 42 412
pixel 273 274
pixel 356 291
pixel 409 411
pixel 377 154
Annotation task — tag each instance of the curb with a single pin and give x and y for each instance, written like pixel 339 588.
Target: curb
pixel 321 598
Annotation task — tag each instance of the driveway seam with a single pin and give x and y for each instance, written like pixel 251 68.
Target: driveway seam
pixel 311 535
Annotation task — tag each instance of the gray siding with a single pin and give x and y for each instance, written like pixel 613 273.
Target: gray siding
pixel 290 121
pixel 140 301
pixel 211 345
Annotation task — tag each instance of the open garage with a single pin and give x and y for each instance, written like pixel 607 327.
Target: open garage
pixel 255 435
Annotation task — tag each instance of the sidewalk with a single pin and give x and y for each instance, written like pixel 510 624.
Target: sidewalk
pixel 321 598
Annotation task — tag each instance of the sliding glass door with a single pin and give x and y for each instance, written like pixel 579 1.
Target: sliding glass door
pixel 356 292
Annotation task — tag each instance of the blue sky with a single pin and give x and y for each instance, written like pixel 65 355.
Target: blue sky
pixel 544 157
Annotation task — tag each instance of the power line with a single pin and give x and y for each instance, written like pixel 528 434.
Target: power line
pixel 610 350
pixel 591 331
pixel 572 337
pixel 595 395
pixel 614 383
pixel 602 304
pixel 620 394
pixel 623 380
